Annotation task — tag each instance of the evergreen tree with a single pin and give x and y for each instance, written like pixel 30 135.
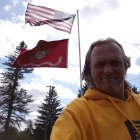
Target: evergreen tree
pixel 13 99
pixel 49 112
pixel 134 88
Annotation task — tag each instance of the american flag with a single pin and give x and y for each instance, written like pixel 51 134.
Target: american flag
pixel 40 15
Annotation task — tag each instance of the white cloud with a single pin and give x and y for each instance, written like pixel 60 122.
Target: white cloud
pixel 62 5
pixel 65 93
pixel 15 2
pixel 7 8
pixel 44 77
pixel 35 83
pixel 66 75
pixel 1 70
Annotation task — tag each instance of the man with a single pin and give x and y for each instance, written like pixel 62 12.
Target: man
pixel 108 110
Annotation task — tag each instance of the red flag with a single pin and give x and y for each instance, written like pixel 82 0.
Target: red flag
pixel 45 54
pixel 39 15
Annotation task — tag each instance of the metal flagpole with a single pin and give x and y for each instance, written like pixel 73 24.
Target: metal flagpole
pixel 79 51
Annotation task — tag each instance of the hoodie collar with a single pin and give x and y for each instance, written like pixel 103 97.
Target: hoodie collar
pixel 97 95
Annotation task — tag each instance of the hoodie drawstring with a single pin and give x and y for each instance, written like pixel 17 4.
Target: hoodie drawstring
pixel 124 115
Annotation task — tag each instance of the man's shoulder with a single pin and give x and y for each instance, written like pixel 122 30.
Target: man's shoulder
pixel 78 103
pixel 78 100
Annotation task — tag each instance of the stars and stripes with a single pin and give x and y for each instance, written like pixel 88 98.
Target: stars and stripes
pixel 40 15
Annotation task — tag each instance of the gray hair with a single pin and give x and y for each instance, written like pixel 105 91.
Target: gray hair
pixel 86 73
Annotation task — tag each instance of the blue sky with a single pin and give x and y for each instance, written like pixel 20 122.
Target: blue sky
pixel 10 8
pixel 98 19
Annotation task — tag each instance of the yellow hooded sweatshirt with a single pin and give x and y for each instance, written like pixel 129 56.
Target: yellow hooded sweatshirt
pixel 97 116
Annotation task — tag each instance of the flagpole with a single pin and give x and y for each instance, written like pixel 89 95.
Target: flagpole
pixel 79 52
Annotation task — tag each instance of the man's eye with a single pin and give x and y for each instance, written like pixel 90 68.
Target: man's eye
pixel 116 63
pixel 99 64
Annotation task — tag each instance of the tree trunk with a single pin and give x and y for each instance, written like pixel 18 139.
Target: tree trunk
pixel 10 108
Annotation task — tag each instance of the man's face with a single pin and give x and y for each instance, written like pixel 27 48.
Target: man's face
pixel 107 68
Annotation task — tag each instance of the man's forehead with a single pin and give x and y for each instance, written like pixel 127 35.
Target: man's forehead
pixel 108 45
pixel 106 49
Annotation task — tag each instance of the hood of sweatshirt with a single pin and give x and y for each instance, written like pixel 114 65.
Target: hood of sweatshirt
pixel 97 95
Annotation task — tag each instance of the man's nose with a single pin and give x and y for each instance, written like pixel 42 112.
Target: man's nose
pixel 108 69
